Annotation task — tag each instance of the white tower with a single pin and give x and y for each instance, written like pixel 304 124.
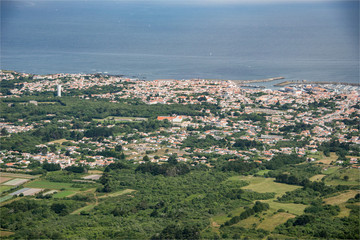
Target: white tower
pixel 59 90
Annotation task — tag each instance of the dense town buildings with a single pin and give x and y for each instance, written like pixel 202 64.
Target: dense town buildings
pixel 277 119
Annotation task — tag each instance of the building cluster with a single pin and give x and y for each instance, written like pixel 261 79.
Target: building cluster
pixel 274 118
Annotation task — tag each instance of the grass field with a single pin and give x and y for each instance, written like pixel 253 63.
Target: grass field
pixel 7 197
pixel 328 160
pixel 222 218
pixel 63 194
pixel 337 177
pixel 272 218
pixel 51 185
pixel 115 194
pixel 5 233
pixel 5 188
pixel 331 170
pixel 18 175
pixel 262 185
pixel 16 181
pixel 86 208
pixel 95 172
pixel 317 178
pixel 271 222
pixel 60 141
pixel 341 198
pixel 296 209
pixel 262 172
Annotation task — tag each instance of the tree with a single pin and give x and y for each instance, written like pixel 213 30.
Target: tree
pixel 173 159
pixel 4 132
pixel 60 209
pixel 118 148
pixel 51 166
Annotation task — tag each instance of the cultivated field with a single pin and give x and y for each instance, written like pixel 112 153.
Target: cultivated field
pixel 63 194
pixel 52 185
pixel 341 198
pixel 327 160
pixel 16 182
pixel 267 220
pixel 271 222
pixel 18 175
pixel 263 185
pixel 4 179
pixel 115 194
pixel 340 176
pixel 317 178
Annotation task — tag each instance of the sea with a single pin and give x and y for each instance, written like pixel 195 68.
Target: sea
pixel 231 40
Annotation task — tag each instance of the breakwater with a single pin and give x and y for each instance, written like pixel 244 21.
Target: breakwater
pixel 302 82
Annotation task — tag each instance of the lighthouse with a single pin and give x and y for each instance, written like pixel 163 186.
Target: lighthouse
pixel 59 90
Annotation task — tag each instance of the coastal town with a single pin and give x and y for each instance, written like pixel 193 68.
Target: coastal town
pixel 296 119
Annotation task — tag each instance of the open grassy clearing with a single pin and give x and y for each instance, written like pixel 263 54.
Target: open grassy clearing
pixel 16 182
pixel 262 172
pixel 60 141
pixel 5 233
pixel 272 221
pixel 293 208
pixel 317 178
pixel 63 194
pixel 330 170
pixel 249 222
pixel 263 185
pixel 52 185
pixel 86 208
pixel 18 175
pixel 115 194
pixel 222 218
pixel 338 177
pixel 95 172
pixel 271 218
pixel 328 160
pixel 341 198
pixel 5 198
pixel 5 188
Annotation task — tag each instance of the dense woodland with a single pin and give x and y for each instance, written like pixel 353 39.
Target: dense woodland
pixel 177 201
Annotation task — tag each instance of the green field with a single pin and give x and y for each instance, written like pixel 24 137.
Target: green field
pixel 51 185
pixel 7 197
pixel 296 209
pixel 338 175
pixel 262 185
pixel 341 198
pixel 317 178
pixel 271 222
pixel 86 208
pixel 18 175
pixel 262 172
pixel 63 194
pixel 271 218
pixel 115 194
pixel 327 160
pixel 5 233
pixel 4 188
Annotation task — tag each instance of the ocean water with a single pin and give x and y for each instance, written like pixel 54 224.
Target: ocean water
pixel 316 41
